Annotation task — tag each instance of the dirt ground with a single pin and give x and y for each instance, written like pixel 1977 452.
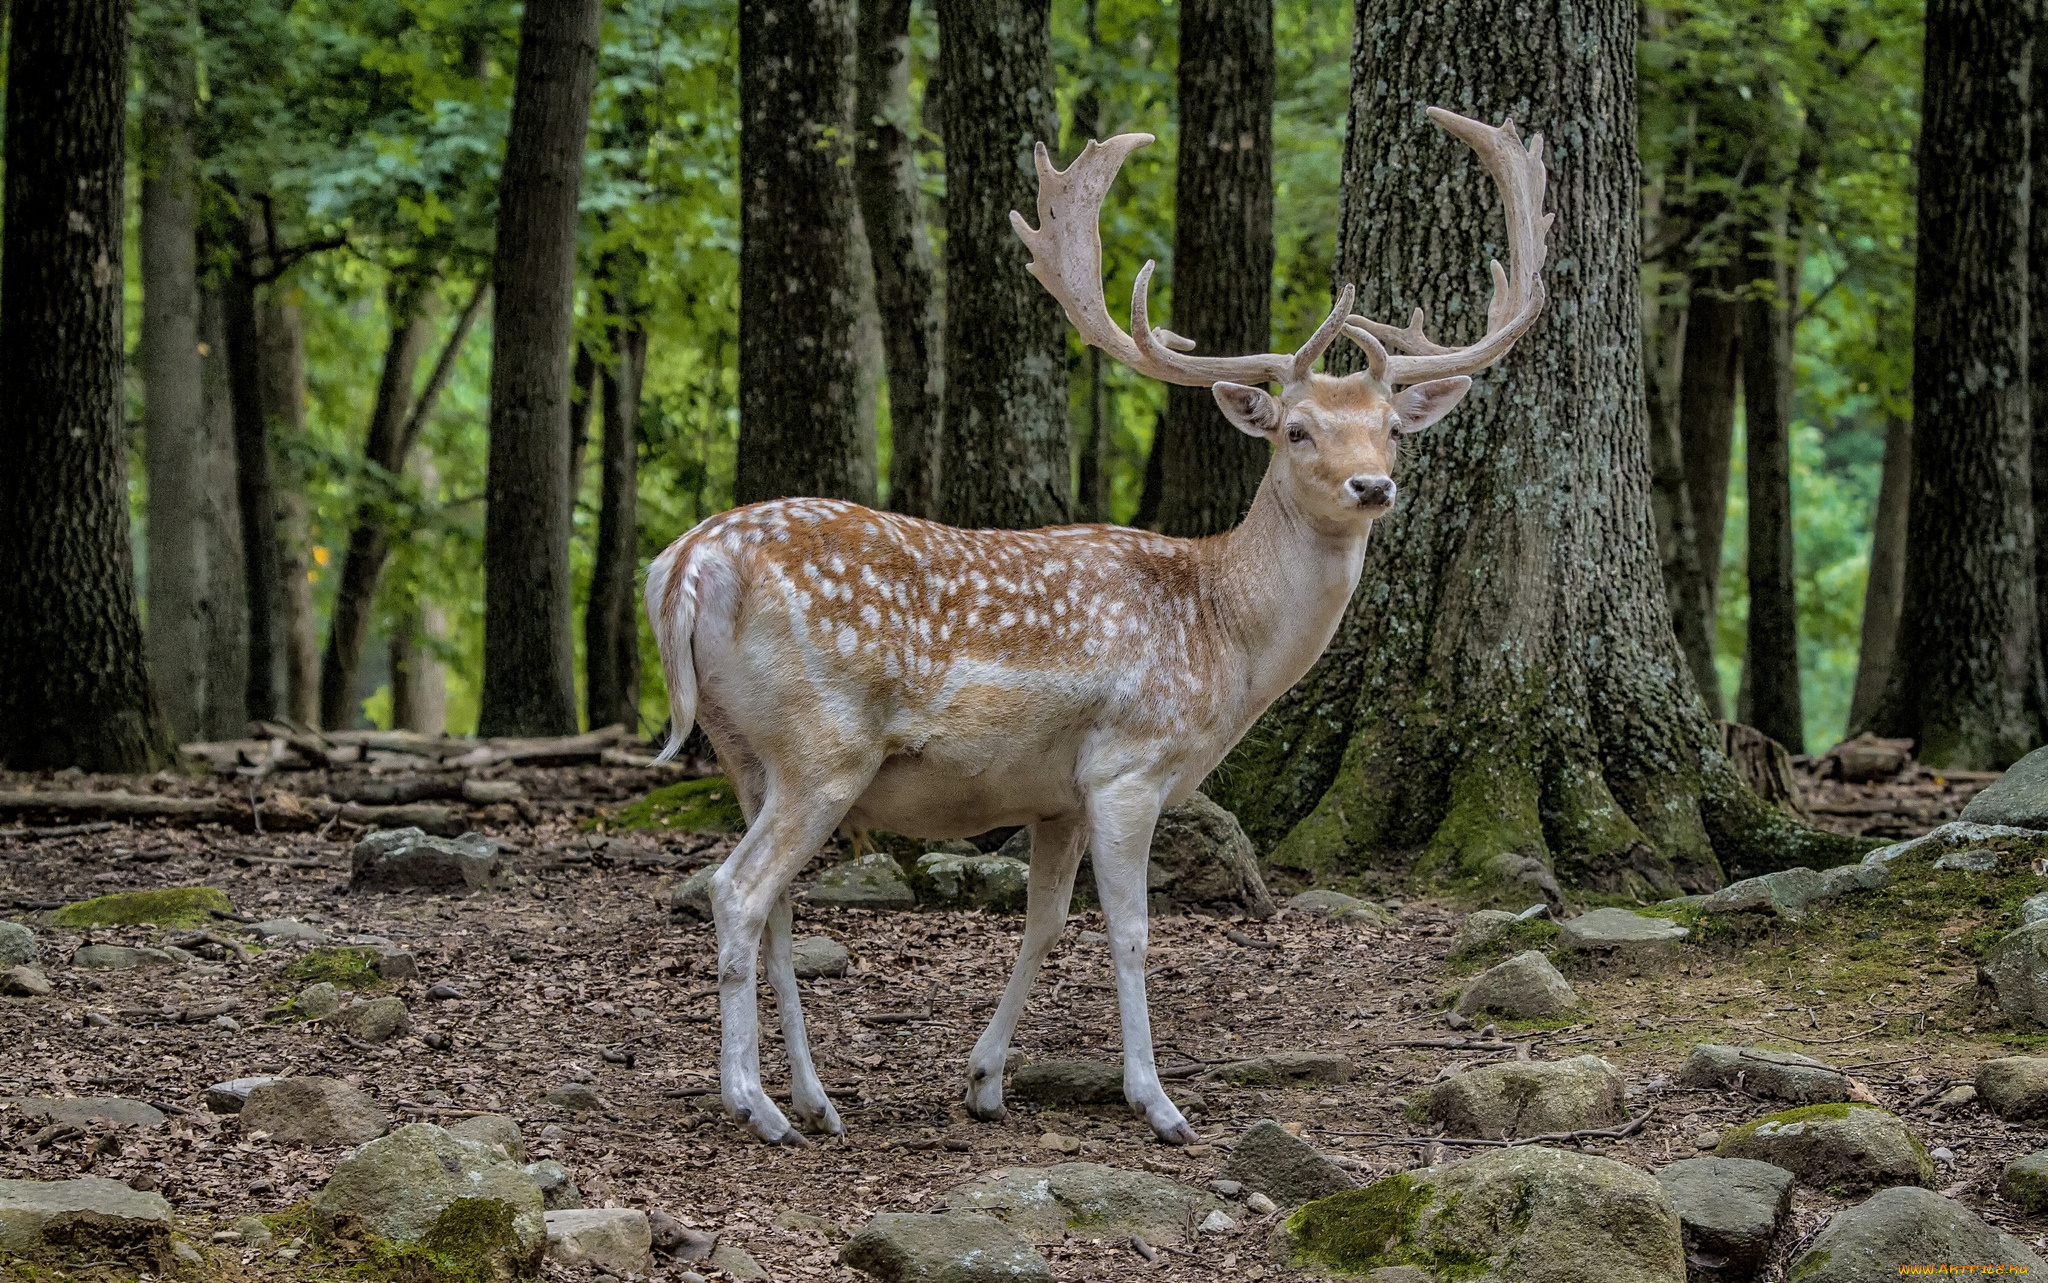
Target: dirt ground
pixel 575 956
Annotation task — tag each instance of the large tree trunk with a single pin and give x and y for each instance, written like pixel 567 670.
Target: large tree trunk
pixel 611 621
pixel 224 653
pixel 1677 528
pixel 1505 697
pixel 1006 449
pixel 255 488
pixel 1222 254
pixel 529 680
pixel 1091 471
pixel 885 181
pixel 1966 680
pixel 1886 583
pixel 1707 389
pixel 77 691
pixel 800 377
pixel 283 359
pixel 1770 666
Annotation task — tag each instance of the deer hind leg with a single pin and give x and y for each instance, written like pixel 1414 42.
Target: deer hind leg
pixel 1056 847
pixel 807 1097
pixel 1121 819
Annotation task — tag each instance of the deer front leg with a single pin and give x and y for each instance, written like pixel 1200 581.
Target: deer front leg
pixel 806 1094
pixel 1122 817
pixel 1056 847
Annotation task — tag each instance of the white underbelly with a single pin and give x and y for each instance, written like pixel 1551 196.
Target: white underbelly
pixel 927 796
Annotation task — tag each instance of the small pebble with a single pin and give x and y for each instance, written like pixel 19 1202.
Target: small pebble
pixel 1217 1223
pixel 522 955
pixel 96 1020
pixel 1060 1144
pixel 1706 1140
pixel 262 1185
pixel 1942 1154
pixel 437 1040
pixel 228 1023
pixel 1199 1151
pixel 1259 1205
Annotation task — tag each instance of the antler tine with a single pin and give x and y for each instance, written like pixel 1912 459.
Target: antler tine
pixel 1375 354
pixel 1411 340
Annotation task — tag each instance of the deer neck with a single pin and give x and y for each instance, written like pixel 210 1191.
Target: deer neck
pixel 1280 583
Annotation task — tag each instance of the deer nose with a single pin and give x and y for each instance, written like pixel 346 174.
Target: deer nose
pixel 1370 490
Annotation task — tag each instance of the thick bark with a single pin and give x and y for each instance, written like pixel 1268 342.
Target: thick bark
pixel 2037 345
pixel 255 487
pixel 1678 549
pixel 283 361
pixel 529 680
pixel 1222 253
pixel 1006 448
pixel 78 690
pixel 1770 666
pixel 885 183
pixel 1706 419
pixel 224 648
pixel 800 376
pixel 1091 470
pixel 582 403
pixel 1886 583
pixel 1966 680
pixel 611 620
pixel 1505 698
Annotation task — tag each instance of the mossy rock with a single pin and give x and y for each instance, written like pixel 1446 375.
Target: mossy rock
pixel 171 907
pixel 344 968
pixel 1841 1147
pixel 465 1245
pixel 709 805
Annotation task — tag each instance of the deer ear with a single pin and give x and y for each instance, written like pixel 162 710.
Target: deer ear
pixel 1418 407
pixel 1253 411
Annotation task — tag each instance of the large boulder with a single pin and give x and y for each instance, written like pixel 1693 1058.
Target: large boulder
pixel 955 880
pixel 1844 1147
pixel 1529 1098
pixel 1069 1084
pixel 1523 987
pixel 872 881
pixel 90 1214
pixel 2014 1087
pixel 614 1239
pixel 1089 1199
pixel 2016 799
pixel 1529 1214
pixel 398 858
pixel 499 1131
pixel 1729 1211
pixel 1785 894
pixel 2015 971
pixel 229 1097
pixel 313 1112
pixel 18 945
pixel 1275 1162
pixel 1624 939
pixel 1906 1226
pixel 943 1247
pixel 1772 1075
pixel 1201 859
pixel 86 1111
pixel 455 1198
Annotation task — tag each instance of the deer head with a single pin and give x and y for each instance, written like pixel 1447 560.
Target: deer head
pixel 1333 437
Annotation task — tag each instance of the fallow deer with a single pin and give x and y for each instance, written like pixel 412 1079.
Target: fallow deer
pixel 860 670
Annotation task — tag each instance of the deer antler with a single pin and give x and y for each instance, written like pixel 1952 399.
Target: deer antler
pixel 1517 290
pixel 1066 257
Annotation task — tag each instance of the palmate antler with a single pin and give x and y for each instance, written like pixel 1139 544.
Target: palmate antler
pixel 1066 257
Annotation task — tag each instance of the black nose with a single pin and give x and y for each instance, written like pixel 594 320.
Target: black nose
pixel 1370 490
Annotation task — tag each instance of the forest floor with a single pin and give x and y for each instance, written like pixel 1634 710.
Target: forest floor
pixel 573 952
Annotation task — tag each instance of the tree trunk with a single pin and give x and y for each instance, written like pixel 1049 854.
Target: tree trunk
pixel 582 402
pixel 1886 582
pixel 1006 450
pixel 800 377
pixel 1091 471
pixel 224 650
pixel 419 682
pixel 1506 698
pixel 1678 548
pixel 611 620
pixel 1966 680
pixel 529 680
pixel 1706 420
pixel 1222 253
pixel 181 589
pixel 78 690
pixel 1771 662
pixel 885 182
pixel 255 488
pixel 369 542
pixel 283 360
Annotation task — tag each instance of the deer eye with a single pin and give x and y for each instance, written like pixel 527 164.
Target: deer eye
pixel 1297 433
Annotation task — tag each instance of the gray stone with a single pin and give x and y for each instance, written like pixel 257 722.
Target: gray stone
pixel 121 957
pixel 1528 1098
pixel 579 1097
pixel 611 1238
pixel 1320 902
pixel 496 1130
pixel 1850 879
pixel 1729 1210
pixel 1531 1214
pixel 399 858
pixel 557 1189
pixel 1287 1169
pixel 229 1097
pixel 375 1020
pixel 1951 836
pixel 17 945
pixel 873 881
pixel 38 1217
pixel 422 1185
pixel 2018 798
pixel 951 846
pixel 85 1111
pixel 1899 1226
pixel 1976 860
pixel 999 883
pixel 1069 1084
pixel 1093 1201
pixel 2014 1087
pixel 317 1001
pixel 691 898
pixel 2025 1183
pixel 1480 928
pixel 314 1112
pixel 1784 894
pixel 2016 972
pixel 289 931
pixel 944 1247
pixel 818 956
pixel 1523 987
pixel 395 965
pixel 1201 859
pixel 1841 1147
pixel 1288 1069
pixel 1623 939
pixel 734 1262
pixel 2033 909
pixel 1773 1075
pixel 24 982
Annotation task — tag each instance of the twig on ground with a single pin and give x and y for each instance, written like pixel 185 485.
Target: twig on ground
pixel 1629 1128
pixel 1237 937
pixel 1821 1042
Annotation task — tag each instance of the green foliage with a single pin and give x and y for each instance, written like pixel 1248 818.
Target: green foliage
pixel 344 968
pixel 172 907
pixel 708 805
